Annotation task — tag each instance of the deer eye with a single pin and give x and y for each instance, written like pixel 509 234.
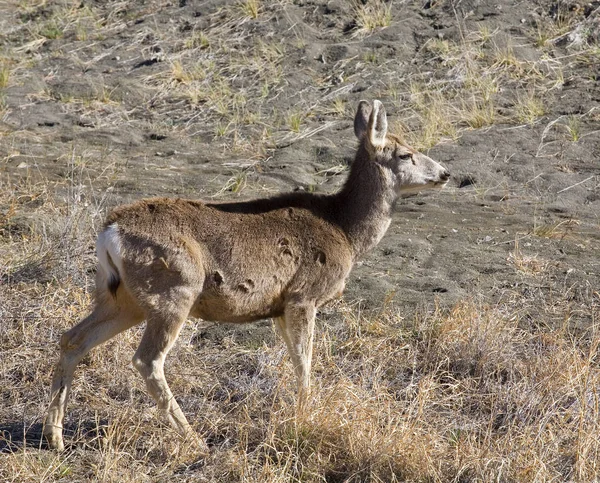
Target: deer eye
pixel 405 156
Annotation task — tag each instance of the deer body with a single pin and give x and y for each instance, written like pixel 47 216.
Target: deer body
pixel 162 260
pixel 162 245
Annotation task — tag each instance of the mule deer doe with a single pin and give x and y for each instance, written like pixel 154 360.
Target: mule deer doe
pixel 162 260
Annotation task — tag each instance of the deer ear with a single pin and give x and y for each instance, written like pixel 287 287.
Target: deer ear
pixel 361 120
pixel 377 125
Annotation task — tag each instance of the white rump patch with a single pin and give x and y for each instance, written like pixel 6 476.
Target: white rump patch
pixel 109 245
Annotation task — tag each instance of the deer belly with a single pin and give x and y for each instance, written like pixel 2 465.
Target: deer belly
pixel 244 301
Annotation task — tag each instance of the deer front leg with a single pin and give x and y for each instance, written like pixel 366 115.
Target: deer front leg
pixel 161 332
pixel 297 329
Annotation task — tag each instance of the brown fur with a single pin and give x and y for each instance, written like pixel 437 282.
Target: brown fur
pixel 281 257
pixel 233 281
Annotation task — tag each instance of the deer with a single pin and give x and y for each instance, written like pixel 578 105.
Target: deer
pixel 162 260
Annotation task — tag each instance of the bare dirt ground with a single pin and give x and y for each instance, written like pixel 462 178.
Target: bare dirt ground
pixel 466 348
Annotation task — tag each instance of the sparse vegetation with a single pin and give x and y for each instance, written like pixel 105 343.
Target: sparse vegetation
pixel 250 8
pixel 4 75
pixel 528 264
pixel 198 39
pixel 465 350
pixel 479 114
pixel 574 128
pixel 236 183
pixel 437 117
pixel 372 15
pixel 528 108
pixel 294 121
pixel 179 73
pixel 51 31
pixel 371 57
pixel 338 107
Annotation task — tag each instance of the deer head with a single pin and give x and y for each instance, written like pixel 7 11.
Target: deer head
pixel 412 171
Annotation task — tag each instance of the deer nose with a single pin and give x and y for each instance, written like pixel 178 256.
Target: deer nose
pixel 445 176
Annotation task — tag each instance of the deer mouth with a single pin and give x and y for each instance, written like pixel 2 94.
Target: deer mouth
pixel 436 183
pixel 416 188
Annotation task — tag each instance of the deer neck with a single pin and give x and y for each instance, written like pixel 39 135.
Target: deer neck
pixel 365 203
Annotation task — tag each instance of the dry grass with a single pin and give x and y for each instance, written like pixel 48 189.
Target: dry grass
pixel 371 15
pixel 4 75
pixel 529 108
pixel 225 76
pixel 480 70
pixel 528 264
pixel 250 8
pixel 474 393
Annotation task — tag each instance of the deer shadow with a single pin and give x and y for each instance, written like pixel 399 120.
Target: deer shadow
pixel 16 436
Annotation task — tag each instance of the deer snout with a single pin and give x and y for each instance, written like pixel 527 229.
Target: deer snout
pixel 445 176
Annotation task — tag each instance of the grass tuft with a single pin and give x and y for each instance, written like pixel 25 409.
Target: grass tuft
pixel 51 31
pixel 372 15
pixel 5 72
pixel 573 127
pixel 294 121
pixel 250 8
pixel 529 108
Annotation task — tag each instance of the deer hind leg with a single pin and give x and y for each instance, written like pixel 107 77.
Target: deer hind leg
pixel 105 321
pixel 297 329
pixel 161 332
